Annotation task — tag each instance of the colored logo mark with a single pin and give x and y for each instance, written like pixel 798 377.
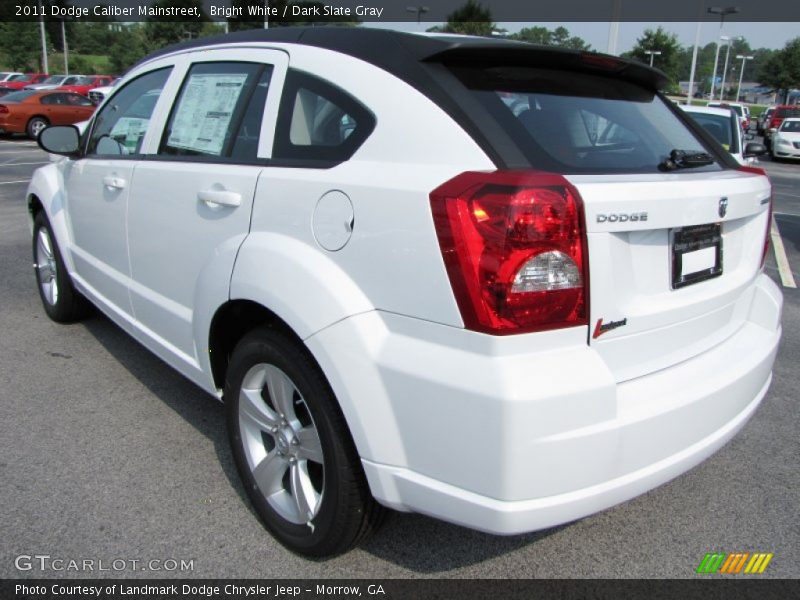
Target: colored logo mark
pixel 734 563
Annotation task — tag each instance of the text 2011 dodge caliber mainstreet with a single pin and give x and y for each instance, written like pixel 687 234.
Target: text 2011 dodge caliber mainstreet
pixel 502 285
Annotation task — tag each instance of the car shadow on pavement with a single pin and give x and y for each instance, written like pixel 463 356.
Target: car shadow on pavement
pixel 200 410
pixel 414 542
pixel 432 547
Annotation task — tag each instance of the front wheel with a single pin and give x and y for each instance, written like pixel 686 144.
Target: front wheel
pixel 293 449
pixel 35 127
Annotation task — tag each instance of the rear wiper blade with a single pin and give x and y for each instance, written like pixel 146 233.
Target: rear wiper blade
pixel 684 159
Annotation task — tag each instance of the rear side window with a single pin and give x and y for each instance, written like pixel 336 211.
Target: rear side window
pixel 214 112
pixel 571 122
pixel 318 122
pixel 121 125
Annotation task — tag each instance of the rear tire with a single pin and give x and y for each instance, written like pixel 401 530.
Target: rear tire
pixel 61 301
pixel 293 448
pixel 35 127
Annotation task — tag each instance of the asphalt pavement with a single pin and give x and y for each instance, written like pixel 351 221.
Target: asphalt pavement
pixel 106 454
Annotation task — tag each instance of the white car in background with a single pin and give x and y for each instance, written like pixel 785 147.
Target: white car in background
pixel 786 140
pixel 55 81
pixel 98 94
pixel 723 125
pixel 8 76
pixel 502 285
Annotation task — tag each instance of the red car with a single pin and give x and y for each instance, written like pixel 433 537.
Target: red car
pixel 781 112
pixel 89 82
pixel 27 79
pixel 29 111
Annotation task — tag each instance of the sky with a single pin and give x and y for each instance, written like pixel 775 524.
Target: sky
pixel 759 35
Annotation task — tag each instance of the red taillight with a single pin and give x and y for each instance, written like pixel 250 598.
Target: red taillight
pixel 766 236
pixel 760 171
pixel 514 246
pixel 3 109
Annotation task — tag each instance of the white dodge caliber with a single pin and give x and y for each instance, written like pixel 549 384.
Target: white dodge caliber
pixel 502 285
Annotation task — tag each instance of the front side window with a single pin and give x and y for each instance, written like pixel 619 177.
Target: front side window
pixel 212 107
pixel 793 126
pixel 121 125
pixel 319 122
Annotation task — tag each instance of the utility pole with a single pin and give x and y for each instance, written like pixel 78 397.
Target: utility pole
pixel 66 47
pixel 613 28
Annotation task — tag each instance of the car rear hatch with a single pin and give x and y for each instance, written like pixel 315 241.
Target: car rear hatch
pixel 675 229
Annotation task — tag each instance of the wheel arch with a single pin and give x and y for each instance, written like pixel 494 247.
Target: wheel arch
pixel 230 323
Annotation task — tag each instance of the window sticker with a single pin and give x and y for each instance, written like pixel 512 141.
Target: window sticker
pixel 205 111
pixel 128 131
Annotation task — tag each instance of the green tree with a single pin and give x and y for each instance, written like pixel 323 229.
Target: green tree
pixel 19 42
pixel 667 44
pixel 160 33
pixel 130 45
pixel 543 36
pixel 92 37
pixel 254 22
pixel 470 19
pixel 782 70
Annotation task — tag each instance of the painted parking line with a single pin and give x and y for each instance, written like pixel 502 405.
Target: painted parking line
pixel 14 182
pixel 44 162
pixel 784 270
pixel 10 164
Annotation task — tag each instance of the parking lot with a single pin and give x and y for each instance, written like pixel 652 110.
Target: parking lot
pixel 106 454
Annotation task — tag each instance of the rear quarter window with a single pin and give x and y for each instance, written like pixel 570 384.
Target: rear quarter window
pixel 319 124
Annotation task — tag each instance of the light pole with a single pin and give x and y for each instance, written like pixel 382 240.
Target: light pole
pixel 723 38
pixel 725 70
pixel 418 10
pixel 652 53
pixel 744 60
pixel 722 12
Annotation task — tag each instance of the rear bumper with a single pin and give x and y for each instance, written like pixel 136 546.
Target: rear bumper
pixel 519 435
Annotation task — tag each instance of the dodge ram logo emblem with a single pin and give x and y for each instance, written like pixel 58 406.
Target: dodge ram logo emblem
pixel 723 207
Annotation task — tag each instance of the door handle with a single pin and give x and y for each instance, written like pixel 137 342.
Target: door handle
pixel 215 198
pixel 112 181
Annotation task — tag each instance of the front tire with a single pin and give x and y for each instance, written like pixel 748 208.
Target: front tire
pixel 35 127
pixel 293 449
pixel 61 301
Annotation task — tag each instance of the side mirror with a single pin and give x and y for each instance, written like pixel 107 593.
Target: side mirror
pixel 754 149
pixel 64 140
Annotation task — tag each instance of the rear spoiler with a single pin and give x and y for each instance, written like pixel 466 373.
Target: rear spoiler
pixel 476 52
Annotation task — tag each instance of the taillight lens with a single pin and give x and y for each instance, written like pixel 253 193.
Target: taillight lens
pixel 3 109
pixel 760 171
pixel 514 246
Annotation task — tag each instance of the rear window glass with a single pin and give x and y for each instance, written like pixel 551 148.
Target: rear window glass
pixel 580 123
pixel 18 96
pixel 783 113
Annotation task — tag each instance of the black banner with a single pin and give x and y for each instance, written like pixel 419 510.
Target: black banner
pixel 430 11
pixel 395 589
